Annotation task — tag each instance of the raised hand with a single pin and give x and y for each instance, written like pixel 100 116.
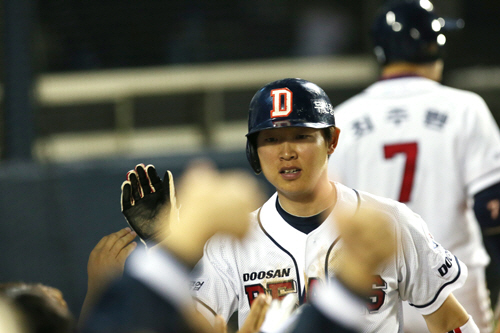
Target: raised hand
pixel 148 203
pixel 369 241
pixel 212 202
pixel 257 315
pixel 106 263
pixel 107 259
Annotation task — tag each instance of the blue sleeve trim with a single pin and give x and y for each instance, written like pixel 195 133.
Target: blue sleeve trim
pixel 442 287
pixel 299 289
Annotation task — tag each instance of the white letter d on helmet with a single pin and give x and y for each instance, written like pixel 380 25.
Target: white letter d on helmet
pixel 282 102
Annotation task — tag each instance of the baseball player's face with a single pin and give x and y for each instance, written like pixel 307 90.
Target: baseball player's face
pixel 294 160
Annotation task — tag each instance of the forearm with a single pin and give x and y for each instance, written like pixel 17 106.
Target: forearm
pixel 492 243
pixel 91 299
pixel 88 303
pixel 185 244
pixel 450 316
pixel 487 212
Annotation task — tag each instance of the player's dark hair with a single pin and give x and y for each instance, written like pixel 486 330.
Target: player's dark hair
pixel 328 133
pixel 41 313
pixel 43 317
pixel 406 30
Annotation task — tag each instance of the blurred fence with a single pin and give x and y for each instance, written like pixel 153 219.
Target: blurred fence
pixel 174 108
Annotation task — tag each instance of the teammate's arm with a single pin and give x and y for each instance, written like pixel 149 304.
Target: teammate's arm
pixel 106 263
pixel 487 211
pixel 206 212
pixel 449 317
pixel 257 314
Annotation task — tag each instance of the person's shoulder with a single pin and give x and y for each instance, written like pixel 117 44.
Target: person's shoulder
pixel 466 105
pixel 350 103
pixel 360 198
pixel 377 200
pixel 397 210
pixel 460 95
pixel 406 221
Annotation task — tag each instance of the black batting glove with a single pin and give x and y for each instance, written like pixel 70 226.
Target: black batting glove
pixel 148 203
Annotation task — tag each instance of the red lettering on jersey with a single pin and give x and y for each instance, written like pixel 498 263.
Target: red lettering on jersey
pixel 377 298
pixel 253 291
pixel 311 286
pixel 279 290
pixel 282 102
pixel 409 149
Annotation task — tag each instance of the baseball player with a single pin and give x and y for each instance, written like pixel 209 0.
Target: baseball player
pixel 289 248
pixel 153 293
pixel 432 147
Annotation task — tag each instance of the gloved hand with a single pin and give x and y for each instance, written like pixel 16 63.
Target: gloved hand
pixel 148 203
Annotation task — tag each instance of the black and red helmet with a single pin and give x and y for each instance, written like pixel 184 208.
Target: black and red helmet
pixel 410 31
pixel 286 103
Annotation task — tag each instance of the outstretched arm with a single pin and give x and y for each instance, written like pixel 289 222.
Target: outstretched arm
pixel 212 202
pixel 487 211
pixel 369 241
pixel 106 263
pixel 449 317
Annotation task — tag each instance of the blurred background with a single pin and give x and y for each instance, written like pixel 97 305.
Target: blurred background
pixel 91 88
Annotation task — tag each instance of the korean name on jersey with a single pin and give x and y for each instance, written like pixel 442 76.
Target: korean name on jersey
pixel 426 145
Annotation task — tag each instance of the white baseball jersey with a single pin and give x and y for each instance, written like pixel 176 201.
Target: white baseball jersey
pixel 424 144
pixel 278 259
pixel 432 147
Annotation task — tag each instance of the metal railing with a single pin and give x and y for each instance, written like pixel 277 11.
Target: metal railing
pixel 119 87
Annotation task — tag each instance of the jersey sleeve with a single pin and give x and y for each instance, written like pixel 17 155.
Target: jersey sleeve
pixel 481 139
pixel 428 273
pixel 213 279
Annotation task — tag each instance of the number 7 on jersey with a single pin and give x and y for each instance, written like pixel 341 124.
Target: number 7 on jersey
pixel 410 150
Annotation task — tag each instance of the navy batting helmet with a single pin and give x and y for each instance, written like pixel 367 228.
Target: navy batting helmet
pixel 286 103
pixel 409 30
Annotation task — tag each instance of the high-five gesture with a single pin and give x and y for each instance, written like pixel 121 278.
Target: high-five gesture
pixel 106 264
pixel 212 202
pixel 148 203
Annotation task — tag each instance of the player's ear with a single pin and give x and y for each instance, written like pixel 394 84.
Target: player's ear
pixel 335 133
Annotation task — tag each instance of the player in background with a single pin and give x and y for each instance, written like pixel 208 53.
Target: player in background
pixel 291 134
pixel 432 147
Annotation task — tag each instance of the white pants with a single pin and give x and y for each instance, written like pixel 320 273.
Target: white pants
pixel 474 297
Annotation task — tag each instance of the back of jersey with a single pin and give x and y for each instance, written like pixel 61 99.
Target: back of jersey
pixel 424 144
